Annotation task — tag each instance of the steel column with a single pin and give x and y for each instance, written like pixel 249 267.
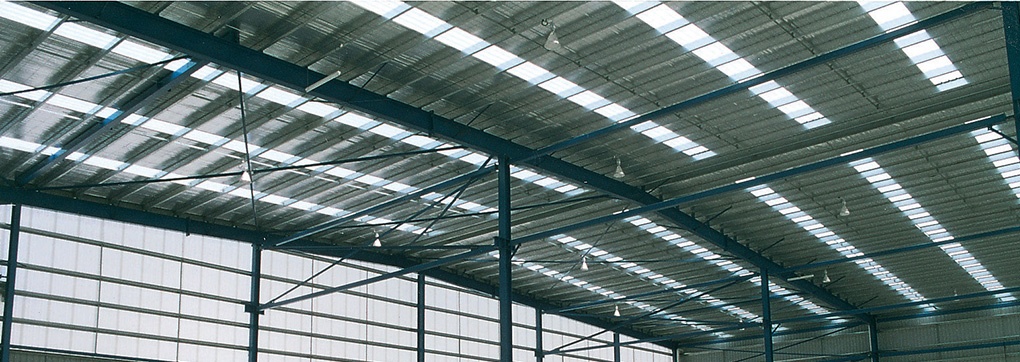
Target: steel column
pixel 1011 28
pixel 253 307
pixel 539 349
pixel 616 347
pixel 12 267
pixel 506 345
pixel 766 315
pixel 421 317
pixel 873 336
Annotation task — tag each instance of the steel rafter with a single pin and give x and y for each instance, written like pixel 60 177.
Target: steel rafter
pixel 153 28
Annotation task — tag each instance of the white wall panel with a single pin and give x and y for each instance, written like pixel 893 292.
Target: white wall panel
pixel 55 338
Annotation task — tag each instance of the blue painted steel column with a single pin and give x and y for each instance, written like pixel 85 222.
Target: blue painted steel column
pixel 253 307
pixel 506 345
pixel 421 317
pixel 616 347
pixel 766 314
pixel 1011 27
pixel 539 349
pixel 873 334
pixel 12 267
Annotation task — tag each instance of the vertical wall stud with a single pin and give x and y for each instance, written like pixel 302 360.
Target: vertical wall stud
pixel 421 317
pixel 873 334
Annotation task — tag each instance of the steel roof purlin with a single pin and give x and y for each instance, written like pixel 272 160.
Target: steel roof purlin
pixel 149 27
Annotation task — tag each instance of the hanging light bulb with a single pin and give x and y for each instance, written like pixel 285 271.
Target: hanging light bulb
pixel 616 311
pixel 825 277
pixel 843 211
pixel 619 169
pixel 584 263
pixel 377 242
pixel 552 42
pixel 245 174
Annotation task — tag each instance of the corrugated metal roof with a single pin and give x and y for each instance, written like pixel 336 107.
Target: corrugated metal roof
pixel 872 97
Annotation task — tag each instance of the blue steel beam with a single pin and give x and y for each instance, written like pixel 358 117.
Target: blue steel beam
pixel 799 170
pixel 152 28
pixel 965 347
pixel 891 307
pixel 506 321
pixel 183 225
pixel 963 239
pixel 766 316
pixel 1011 28
pixel 9 282
pixel 147 97
pixel 420 334
pixel 773 75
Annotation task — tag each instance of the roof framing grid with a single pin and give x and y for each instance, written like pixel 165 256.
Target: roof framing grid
pixel 152 28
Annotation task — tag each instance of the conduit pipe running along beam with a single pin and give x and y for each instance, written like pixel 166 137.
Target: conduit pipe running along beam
pixel 149 27
pixel 173 223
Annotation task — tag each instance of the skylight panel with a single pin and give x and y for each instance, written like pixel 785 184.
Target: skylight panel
pixel 531 73
pixel 106 163
pixel 421 142
pixel 165 127
pixel 205 137
pixel 77 32
pixel 461 40
pixel 892 16
pixel 229 80
pixel 318 109
pixel 615 112
pixel 561 86
pixel 498 57
pixel 937 66
pixel 937 233
pixel 280 96
pixel 386 130
pixel 690 36
pixel 844 248
pixel 143 171
pixel 718 55
pixel 26 16
pixel 73 104
pixel 738 69
pixel 354 120
pixel 922 51
pixel 369 180
pixel 421 22
pixel 715 54
pixel 140 52
pixel 918 46
pixel 588 99
pixel 384 8
pixel 662 18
